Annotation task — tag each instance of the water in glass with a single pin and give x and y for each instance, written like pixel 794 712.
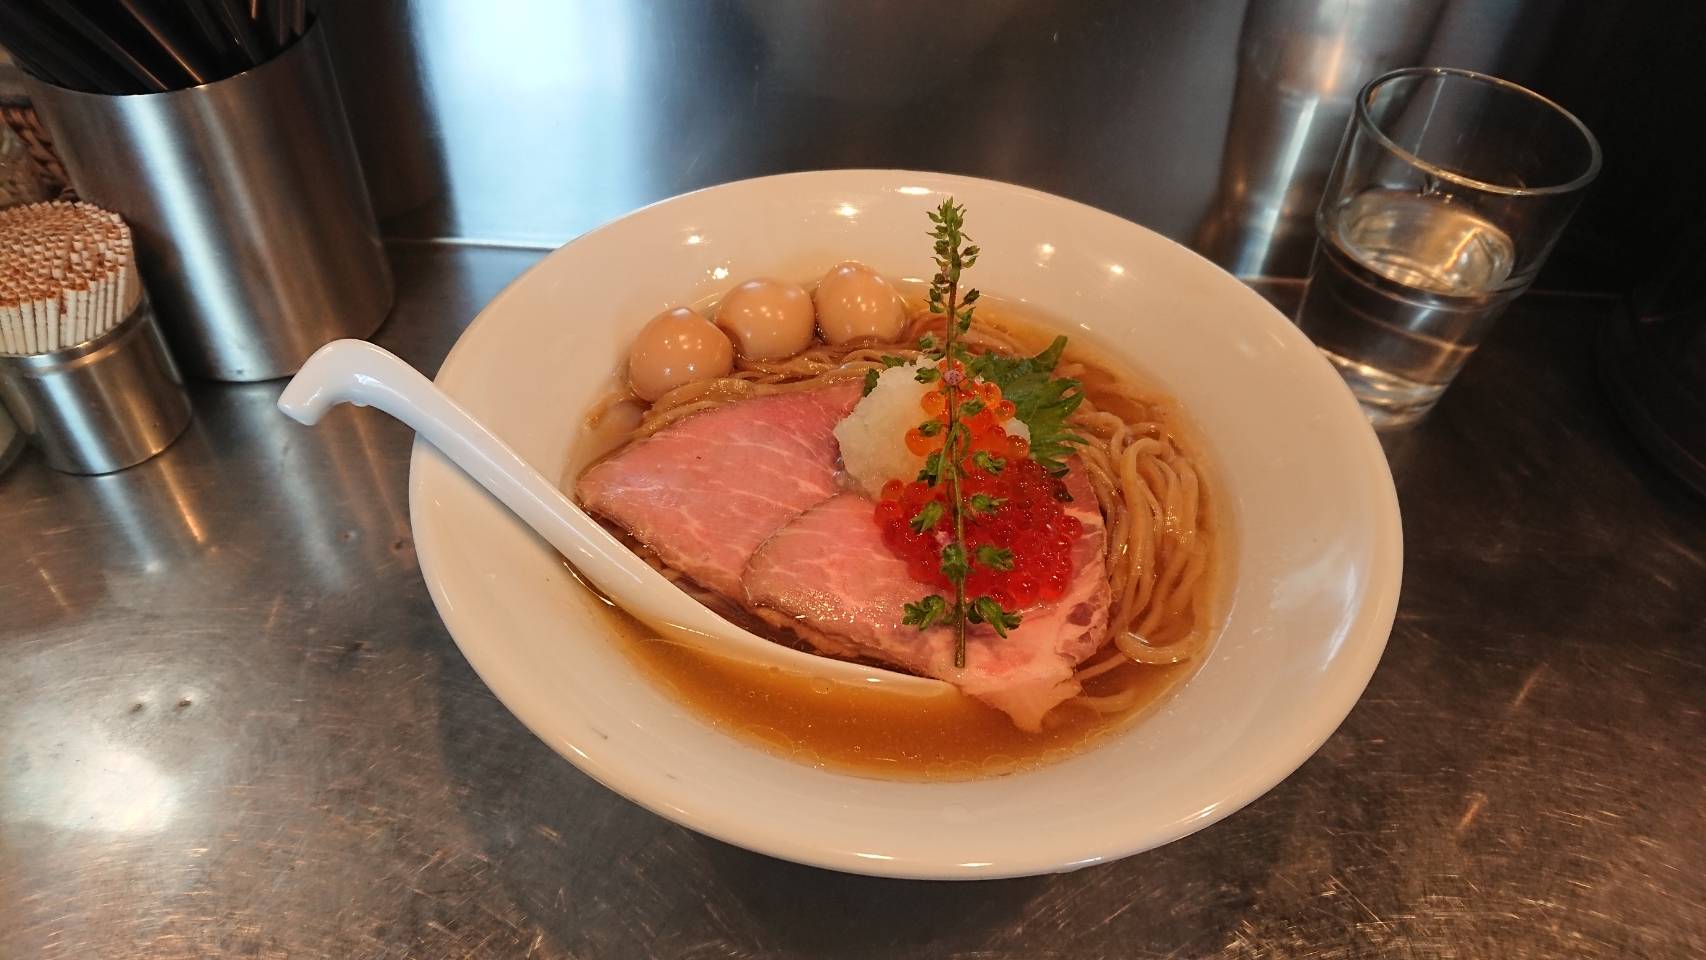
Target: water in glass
pixel 1403 288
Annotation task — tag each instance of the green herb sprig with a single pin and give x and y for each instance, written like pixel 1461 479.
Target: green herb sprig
pixel 955 253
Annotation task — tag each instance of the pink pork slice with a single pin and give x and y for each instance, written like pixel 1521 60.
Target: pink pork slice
pixel 830 570
pixel 705 492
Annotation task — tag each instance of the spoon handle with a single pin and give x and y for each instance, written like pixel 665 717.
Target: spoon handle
pixel 354 371
pixel 357 372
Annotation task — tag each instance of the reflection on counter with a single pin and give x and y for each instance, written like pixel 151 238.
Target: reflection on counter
pixel 1300 63
pixel 318 483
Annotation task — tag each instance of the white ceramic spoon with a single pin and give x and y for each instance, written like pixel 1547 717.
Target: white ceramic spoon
pixel 354 371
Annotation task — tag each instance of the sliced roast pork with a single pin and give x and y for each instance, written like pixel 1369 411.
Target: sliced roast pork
pixel 705 492
pixel 830 570
pixel 744 499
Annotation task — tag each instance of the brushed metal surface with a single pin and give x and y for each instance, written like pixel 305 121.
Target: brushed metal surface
pixel 543 119
pixel 231 723
pixel 100 406
pixel 252 222
pixel 1213 122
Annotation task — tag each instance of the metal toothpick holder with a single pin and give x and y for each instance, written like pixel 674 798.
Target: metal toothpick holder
pixel 102 405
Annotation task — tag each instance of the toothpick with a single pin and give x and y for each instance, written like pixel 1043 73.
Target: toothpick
pixel 67 275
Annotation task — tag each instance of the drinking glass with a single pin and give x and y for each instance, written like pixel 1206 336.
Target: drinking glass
pixel 1450 189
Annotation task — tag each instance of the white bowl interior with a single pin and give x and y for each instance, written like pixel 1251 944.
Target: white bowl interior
pixel 1312 585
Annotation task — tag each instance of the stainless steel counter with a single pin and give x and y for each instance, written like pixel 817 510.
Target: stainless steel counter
pixel 231 723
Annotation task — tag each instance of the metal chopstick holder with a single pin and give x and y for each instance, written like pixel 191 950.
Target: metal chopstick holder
pixel 252 220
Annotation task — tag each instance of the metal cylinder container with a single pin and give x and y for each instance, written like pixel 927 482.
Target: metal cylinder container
pixel 103 405
pixel 252 222
pixel 1300 63
pixel 11 440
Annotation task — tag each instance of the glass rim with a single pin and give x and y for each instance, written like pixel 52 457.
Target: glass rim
pixel 1368 125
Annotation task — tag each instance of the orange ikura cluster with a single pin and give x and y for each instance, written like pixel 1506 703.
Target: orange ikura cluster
pixel 1016 509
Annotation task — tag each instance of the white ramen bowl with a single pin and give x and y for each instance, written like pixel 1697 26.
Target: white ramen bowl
pixel 1309 589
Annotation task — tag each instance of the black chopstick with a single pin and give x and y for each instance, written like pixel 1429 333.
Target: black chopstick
pixel 58 75
pixel 280 24
pixel 58 56
pixel 219 42
pixel 112 47
pixel 261 16
pixel 166 37
pixel 234 14
pixel 147 46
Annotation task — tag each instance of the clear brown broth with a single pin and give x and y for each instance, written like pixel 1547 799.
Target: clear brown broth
pixel 863 732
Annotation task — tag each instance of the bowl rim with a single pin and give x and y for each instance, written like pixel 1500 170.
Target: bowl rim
pixel 1374 617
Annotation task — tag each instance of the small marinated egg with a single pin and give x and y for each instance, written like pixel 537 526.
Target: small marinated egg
pixel 854 302
pixel 767 319
pixel 677 347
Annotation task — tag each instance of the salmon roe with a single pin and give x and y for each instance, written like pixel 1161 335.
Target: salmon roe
pixel 1031 521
